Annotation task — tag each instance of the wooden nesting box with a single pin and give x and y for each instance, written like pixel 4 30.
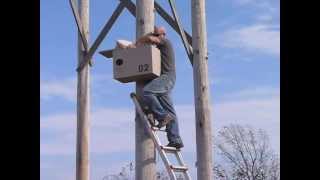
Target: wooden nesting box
pixel 133 64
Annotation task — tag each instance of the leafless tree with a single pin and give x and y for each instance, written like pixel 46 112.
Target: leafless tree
pixel 247 155
pixel 163 175
pixel 125 174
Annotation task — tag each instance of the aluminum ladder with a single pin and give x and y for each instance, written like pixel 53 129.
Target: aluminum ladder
pixel 163 150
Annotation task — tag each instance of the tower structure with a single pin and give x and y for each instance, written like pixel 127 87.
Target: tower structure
pixel 196 49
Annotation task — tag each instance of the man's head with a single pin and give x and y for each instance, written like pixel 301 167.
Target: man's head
pixel 160 32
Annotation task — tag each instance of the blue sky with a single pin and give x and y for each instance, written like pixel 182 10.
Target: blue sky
pixel 244 73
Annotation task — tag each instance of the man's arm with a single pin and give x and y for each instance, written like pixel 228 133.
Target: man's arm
pixel 148 39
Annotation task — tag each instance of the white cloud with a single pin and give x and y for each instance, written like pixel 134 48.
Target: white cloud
pixel 65 88
pixel 259 37
pixel 265 17
pixel 257 112
pixel 256 92
pixel 269 5
pixel 112 130
pixel 243 2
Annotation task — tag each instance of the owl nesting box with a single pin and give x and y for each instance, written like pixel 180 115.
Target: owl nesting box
pixel 134 64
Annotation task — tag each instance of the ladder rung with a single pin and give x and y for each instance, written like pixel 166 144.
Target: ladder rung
pixel 169 149
pixel 157 129
pixel 179 168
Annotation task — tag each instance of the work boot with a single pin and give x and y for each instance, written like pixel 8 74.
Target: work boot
pixel 165 121
pixel 176 145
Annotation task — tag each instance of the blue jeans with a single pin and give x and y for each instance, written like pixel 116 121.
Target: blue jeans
pixel 157 96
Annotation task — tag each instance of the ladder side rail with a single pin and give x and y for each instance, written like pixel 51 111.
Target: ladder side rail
pixel 181 162
pixel 166 163
pixel 179 157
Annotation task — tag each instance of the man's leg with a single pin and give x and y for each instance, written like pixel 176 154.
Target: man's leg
pixel 151 92
pixel 172 128
pixel 151 100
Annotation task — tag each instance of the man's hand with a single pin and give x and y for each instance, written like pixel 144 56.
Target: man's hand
pixel 154 40
pixel 148 39
pixel 131 46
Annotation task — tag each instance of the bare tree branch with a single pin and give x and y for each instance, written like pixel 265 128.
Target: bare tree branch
pixel 248 152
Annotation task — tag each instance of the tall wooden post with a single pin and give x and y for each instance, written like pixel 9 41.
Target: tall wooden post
pixel 145 149
pixel 201 91
pixel 82 157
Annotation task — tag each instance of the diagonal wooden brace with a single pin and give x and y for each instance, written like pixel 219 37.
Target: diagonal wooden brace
pixel 102 35
pixel 181 31
pixel 130 6
pixel 170 20
pixel 79 24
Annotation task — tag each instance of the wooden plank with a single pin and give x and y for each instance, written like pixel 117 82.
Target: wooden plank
pixel 79 24
pixel 201 91
pixel 181 31
pixel 107 53
pixel 102 34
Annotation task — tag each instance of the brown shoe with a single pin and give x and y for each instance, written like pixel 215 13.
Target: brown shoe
pixel 165 121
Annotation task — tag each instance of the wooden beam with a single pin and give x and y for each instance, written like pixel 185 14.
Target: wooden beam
pixel 201 91
pixel 102 34
pixel 170 20
pixel 130 6
pixel 186 45
pixel 145 156
pixel 75 12
pixel 83 99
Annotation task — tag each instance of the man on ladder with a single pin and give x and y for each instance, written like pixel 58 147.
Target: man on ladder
pixel 157 92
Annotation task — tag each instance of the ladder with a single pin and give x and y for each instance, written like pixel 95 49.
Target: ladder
pixel 163 150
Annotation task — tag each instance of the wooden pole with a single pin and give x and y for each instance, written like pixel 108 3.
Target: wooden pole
pixel 82 156
pixel 201 91
pixel 145 150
